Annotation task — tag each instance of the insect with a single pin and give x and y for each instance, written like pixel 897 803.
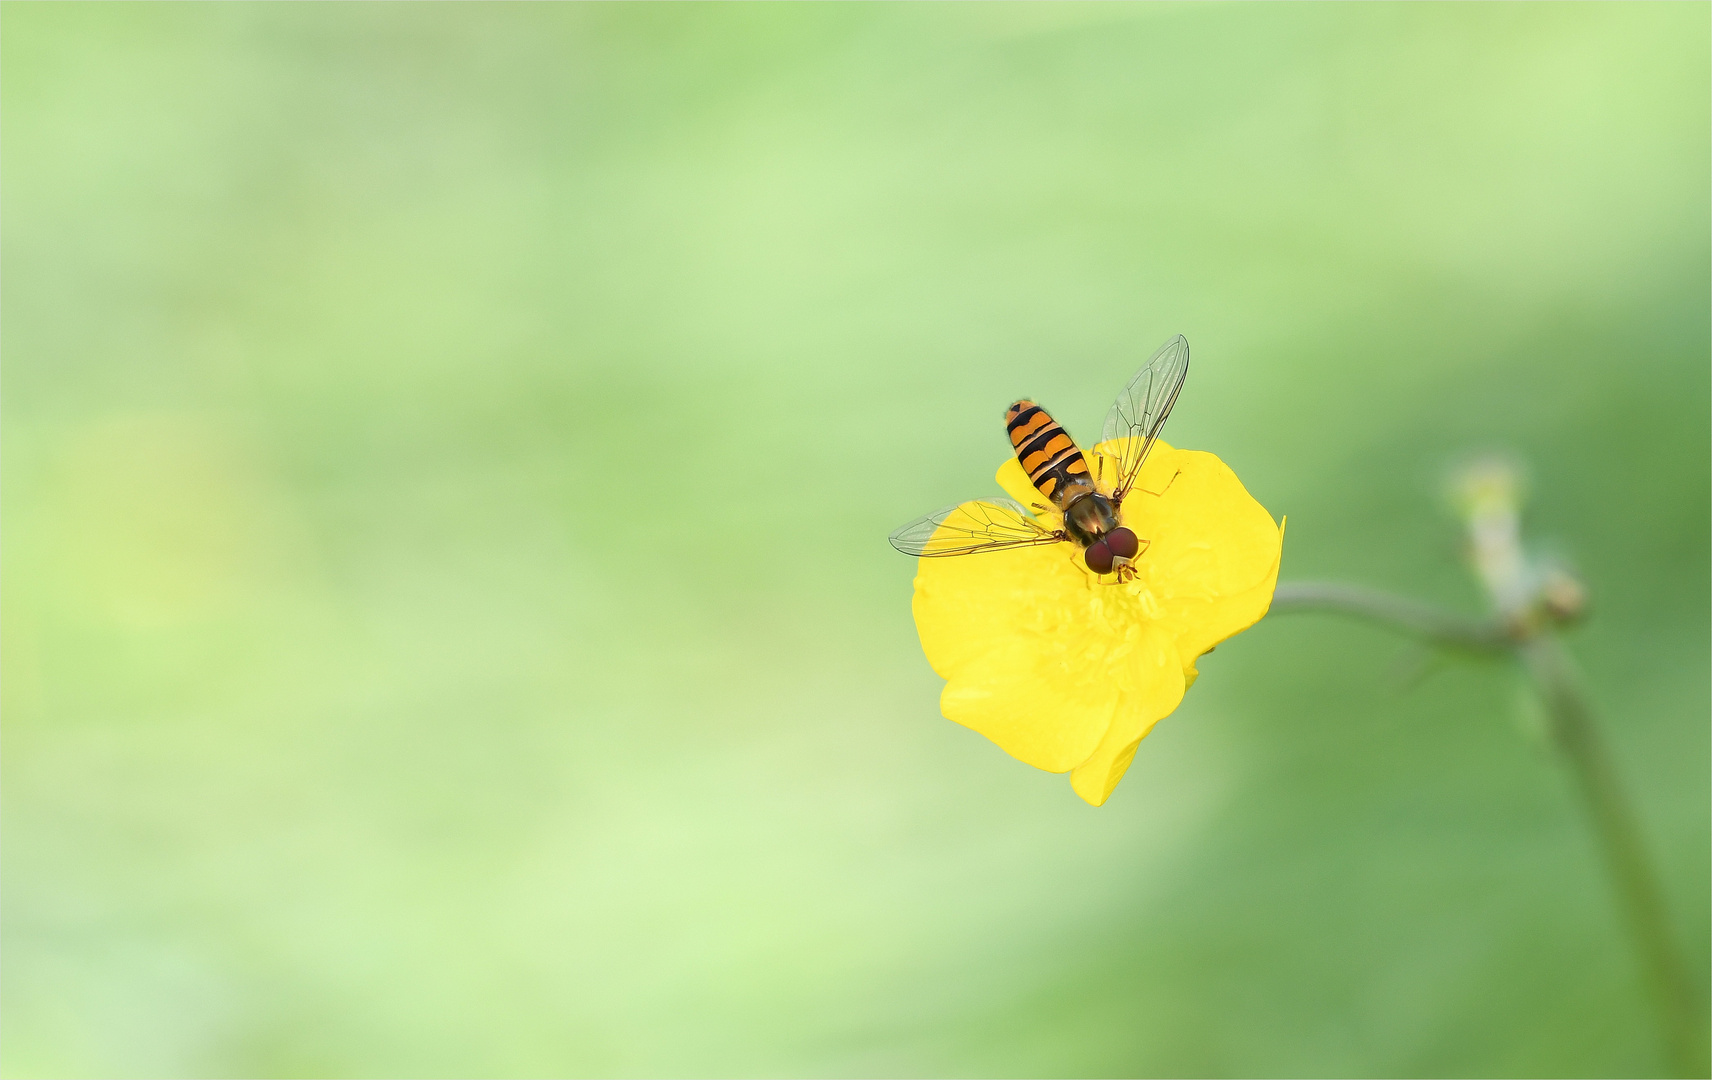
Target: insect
pixel 1088 504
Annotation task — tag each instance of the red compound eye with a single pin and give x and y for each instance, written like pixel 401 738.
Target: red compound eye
pixel 1098 557
pixel 1122 543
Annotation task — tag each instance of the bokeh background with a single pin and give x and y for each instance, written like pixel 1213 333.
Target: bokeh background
pixel 448 455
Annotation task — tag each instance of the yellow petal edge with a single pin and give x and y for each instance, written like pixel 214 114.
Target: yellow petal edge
pixel 1070 674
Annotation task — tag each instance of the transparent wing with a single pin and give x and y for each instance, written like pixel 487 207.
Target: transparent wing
pixel 1141 409
pixel 982 525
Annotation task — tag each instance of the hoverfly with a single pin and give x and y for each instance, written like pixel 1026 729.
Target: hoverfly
pixel 1088 505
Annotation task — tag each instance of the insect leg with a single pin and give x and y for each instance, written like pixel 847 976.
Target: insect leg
pixel 1164 489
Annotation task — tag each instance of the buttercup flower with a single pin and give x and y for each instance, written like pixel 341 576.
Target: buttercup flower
pixel 1069 673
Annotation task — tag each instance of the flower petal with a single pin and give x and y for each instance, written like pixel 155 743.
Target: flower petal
pixel 1225 618
pixel 1009 632
pixel 1095 778
pixel 1212 553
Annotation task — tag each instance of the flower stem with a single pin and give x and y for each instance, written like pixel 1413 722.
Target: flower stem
pixel 1576 735
pixel 1632 875
pixel 1432 625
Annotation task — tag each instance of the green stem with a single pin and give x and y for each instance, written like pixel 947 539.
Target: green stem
pixel 1576 735
pixel 1638 891
pixel 1432 625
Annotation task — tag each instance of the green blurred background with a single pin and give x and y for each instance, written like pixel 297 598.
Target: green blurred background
pixel 448 454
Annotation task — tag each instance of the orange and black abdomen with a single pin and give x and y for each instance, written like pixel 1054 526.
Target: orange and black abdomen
pixel 1046 451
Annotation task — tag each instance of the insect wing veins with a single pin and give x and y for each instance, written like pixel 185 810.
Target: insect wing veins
pixel 970 527
pixel 1141 410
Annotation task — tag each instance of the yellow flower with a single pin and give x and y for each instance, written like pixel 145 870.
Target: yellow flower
pixel 1069 674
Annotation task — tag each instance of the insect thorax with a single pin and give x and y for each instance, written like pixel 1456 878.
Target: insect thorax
pixel 1088 515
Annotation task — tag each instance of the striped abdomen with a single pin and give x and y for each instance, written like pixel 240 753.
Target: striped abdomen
pixel 1047 453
